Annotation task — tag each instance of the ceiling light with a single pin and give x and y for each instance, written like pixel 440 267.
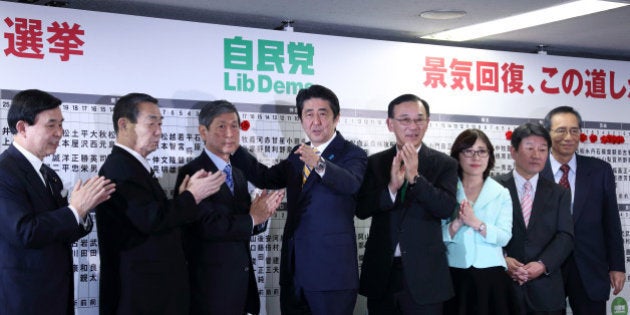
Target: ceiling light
pixel 58 4
pixel 442 14
pixel 542 49
pixel 287 26
pixel 525 20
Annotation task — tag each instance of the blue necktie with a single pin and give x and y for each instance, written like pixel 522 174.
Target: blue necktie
pixel 228 177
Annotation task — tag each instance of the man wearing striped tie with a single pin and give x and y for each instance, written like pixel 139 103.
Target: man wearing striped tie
pixel 318 268
pixel 542 230
pixel 598 262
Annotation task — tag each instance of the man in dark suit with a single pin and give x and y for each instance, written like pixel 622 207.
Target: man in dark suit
pixel 217 246
pixel 597 262
pixel 542 230
pixel 37 224
pixel 319 270
pixel 143 269
pixel 408 190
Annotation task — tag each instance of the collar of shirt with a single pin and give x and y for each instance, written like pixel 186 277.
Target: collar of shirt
pixel 519 181
pixel 37 164
pixel 218 162
pixel 137 155
pixel 324 145
pixel 35 161
pixel 555 165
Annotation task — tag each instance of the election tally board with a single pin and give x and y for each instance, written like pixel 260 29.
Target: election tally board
pixel 270 132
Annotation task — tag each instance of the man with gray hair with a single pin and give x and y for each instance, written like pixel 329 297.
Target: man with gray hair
pixel 598 261
pixel 217 245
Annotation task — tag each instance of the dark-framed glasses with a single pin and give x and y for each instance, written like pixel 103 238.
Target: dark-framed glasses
pixel 482 153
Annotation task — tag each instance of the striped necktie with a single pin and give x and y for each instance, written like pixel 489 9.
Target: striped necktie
pixel 526 202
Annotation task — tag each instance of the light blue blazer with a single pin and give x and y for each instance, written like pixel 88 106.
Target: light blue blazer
pixel 468 247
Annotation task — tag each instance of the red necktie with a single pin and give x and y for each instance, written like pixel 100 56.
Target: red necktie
pixel 564 180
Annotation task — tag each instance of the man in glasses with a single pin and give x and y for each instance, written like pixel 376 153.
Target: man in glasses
pixel 407 191
pixel 597 263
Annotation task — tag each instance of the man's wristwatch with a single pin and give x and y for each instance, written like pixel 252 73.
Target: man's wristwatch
pixel 481 228
pixel 321 165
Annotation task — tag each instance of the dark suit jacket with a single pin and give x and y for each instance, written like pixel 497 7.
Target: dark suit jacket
pixel 36 233
pixel 598 240
pixel 143 269
pixel 548 238
pixel 415 224
pixel 217 247
pixel 319 231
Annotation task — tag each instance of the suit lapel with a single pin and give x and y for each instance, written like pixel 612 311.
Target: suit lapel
pixel 241 190
pixel 208 165
pixel 31 175
pixel 334 148
pixel 56 186
pixel 518 221
pixel 486 195
pixel 41 189
pixel 540 200
pixel 582 176
pixel 546 172
pixel 294 178
pixel 424 162
pixel 152 182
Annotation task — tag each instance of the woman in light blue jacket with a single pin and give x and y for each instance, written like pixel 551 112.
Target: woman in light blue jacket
pixel 479 229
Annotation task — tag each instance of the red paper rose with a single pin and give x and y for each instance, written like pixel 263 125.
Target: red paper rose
pixel 593 138
pixel 245 125
pixel 508 135
pixel 583 137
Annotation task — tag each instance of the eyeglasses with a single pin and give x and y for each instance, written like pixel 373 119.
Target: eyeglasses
pixel 407 121
pixel 564 131
pixel 469 153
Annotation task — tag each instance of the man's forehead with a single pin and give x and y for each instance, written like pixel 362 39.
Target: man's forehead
pixel 155 116
pixel 151 113
pixel 226 116
pixel 534 140
pixel 317 103
pixel 50 115
pixel 419 114
pixel 410 107
pixel 564 118
pixel 317 108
